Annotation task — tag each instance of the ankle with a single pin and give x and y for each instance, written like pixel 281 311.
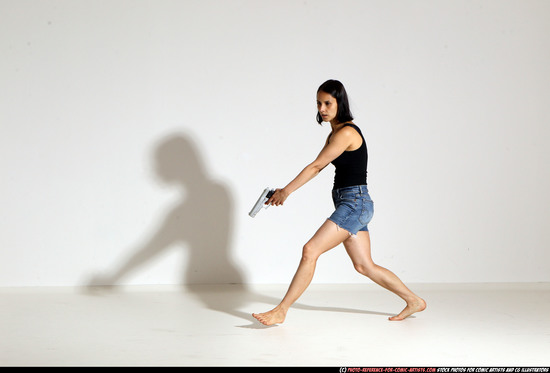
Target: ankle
pixel 413 300
pixel 281 308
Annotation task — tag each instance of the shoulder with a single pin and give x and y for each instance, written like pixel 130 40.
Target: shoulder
pixel 349 130
pixel 345 137
pixel 351 135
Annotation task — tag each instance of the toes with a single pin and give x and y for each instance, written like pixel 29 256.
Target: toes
pixel 395 318
pixel 260 318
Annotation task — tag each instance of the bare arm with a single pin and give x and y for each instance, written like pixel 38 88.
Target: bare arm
pixel 340 142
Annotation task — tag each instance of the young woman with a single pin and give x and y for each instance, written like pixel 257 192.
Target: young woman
pixel 345 147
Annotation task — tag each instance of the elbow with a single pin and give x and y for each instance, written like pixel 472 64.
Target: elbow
pixel 317 168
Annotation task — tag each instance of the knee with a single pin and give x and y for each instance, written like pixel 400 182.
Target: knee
pixel 364 268
pixel 309 253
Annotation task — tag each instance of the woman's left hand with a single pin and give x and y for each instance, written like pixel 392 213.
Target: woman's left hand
pixel 278 198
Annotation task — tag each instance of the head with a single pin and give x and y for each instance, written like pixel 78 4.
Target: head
pixel 332 103
pixel 177 161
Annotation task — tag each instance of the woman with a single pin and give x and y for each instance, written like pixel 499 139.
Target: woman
pixel 345 147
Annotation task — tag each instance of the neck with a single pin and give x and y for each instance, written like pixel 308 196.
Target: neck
pixel 337 125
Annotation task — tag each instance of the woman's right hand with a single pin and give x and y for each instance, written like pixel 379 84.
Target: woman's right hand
pixel 278 198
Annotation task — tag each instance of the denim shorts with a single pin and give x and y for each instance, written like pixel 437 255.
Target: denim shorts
pixel 354 208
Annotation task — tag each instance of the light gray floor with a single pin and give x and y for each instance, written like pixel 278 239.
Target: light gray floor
pixel 333 325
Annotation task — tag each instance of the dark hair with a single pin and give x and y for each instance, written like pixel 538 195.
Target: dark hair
pixel 337 90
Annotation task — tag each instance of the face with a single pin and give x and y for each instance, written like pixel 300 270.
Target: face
pixel 327 106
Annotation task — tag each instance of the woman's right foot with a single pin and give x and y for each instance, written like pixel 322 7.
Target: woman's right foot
pixel 417 305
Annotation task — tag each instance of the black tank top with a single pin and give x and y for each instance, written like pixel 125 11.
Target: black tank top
pixel 351 166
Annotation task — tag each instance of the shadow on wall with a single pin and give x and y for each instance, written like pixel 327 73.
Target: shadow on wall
pixel 202 220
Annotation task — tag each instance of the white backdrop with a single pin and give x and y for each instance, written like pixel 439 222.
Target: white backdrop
pixel 136 135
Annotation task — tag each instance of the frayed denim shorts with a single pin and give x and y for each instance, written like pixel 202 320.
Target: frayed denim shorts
pixel 354 208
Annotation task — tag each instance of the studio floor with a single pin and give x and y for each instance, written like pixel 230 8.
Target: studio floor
pixel 331 325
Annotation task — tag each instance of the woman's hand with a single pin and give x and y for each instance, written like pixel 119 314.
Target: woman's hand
pixel 278 198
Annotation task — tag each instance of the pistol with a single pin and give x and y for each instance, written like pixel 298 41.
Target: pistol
pixel 266 195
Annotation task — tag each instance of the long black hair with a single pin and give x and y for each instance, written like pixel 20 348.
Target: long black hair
pixel 337 90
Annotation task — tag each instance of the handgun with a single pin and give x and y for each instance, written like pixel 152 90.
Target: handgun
pixel 266 195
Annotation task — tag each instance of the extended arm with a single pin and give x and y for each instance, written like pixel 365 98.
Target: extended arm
pixel 339 143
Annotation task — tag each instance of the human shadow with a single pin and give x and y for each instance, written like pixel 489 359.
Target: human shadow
pixel 201 222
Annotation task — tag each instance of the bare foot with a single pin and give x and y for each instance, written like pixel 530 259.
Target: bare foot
pixel 417 305
pixel 275 316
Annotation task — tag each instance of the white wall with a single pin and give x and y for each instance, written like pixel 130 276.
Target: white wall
pixel 136 135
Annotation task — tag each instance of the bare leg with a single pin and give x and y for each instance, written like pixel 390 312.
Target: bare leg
pixel 359 250
pixel 326 238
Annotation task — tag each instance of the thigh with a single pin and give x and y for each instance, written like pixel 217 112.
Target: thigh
pixel 328 236
pixel 358 248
